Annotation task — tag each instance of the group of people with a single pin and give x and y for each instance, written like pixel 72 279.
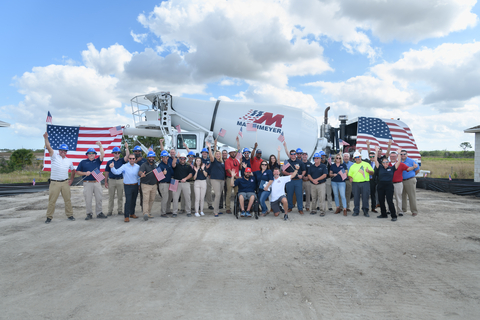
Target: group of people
pixel 249 176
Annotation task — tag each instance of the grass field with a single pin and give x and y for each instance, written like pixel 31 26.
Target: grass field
pixel 462 168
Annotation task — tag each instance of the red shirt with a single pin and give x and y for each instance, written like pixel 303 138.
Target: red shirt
pixel 255 163
pixel 397 175
pixel 232 163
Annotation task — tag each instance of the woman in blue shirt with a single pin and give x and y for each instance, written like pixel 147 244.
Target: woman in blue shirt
pixel 337 169
pixel 217 176
pixel 264 179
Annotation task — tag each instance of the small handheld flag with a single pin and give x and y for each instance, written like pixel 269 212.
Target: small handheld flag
pixel 98 175
pixel 173 185
pixel 251 126
pixel 285 166
pixel 49 117
pixel 425 175
pixel 342 143
pixel 116 130
pixel 281 137
pixel 178 129
pixel 343 174
pixel 222 132
pixel 158 174
pixel 361 170
pixel 33 181
pixel 240 133
pixel 151 148
pixel 238 156
pixel 330 159
pixel 449 177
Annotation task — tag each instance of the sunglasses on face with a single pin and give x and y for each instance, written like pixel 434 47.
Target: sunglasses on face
pixel 91 153
pixel 384 162
pixel 403 154
pixel 264 164
pixel 131 158
pixel 293 154
pixel 372 156
pixel 116 152
pixel 338 158
pixel 357 158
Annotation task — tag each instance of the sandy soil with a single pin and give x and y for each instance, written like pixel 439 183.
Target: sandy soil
pixel 309 267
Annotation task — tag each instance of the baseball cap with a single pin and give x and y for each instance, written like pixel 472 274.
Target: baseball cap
pixel 248 169
pixel 258 151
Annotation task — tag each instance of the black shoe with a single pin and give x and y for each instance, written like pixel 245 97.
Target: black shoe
pixel 174 215
pixel 380 216
pixel 313 212
pixel 71 218
pixel 120 214
pixel 355 214
pixel 48 220
pixel 285 217
pixel 189 214
pixel 220 206
pixel 145 217
pixel 210 207
pixel 164 215
pixel 330 209
pixel 366 215
pixel 281 209
pixel 101 216
pixel 394 219
pixel 400 214
pixel 89 216
pixel 109 214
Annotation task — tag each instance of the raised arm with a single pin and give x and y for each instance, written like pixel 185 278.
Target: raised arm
pixel 238 144
pixel 174 160
pixel 278 155
pixel 102 152
pixel 376 159
pixel 254 150
pixel 186 147
pixel 286 149
pixel 127 152
pixel 209 147
pixel 47 144
pixel 398 162
pixel 161 144
pixel 368 146
pixel 388 148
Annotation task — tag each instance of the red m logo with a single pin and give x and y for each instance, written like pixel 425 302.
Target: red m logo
pixel 268 118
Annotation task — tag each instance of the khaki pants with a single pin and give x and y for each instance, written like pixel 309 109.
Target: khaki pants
pixel 328 190
pixel 200 189
pixel 192 196
pixel 348 194
pixel 410 190
pixel 89 190
pixel 184 189
pixel 318 196
pixel 149 192
pixel 217 186
pixel 208 194
pixel 307 187
pixel 54 191
pixel 397 192
pixel 165 196
pixel 115 185
pixel 229 193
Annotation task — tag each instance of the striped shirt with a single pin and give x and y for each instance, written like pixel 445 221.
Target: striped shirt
pixel 60 167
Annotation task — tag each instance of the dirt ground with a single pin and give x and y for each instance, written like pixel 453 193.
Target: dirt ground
pixel 309 267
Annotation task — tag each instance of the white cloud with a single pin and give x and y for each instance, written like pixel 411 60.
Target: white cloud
pixel 140 38
pixel 108 61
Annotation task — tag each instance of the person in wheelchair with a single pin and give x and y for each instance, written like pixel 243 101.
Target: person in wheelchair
pixel 246 190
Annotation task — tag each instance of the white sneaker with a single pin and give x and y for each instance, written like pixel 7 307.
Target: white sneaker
pixel 196 214
pixel 202 214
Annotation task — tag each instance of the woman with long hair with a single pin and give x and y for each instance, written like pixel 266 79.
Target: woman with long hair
pixel 217 175
pixel 264 177
pixel 338 173
pixel 274 162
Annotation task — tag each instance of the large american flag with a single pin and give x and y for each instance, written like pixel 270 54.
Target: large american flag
pixel 379 131
pixel 79 139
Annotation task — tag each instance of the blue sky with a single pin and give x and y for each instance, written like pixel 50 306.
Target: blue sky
pixel 418 61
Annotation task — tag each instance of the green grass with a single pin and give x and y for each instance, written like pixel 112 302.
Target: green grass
pixel 460 168
pixel 24 177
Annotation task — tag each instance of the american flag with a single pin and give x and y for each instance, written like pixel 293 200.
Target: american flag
pixel 425 175
pixel 342 143
pixel 238 156
pixel 450 177
pixel 330 159
pixel 343 174
pixel 98 175
pixel 285 166
pixel 222 132
pixel 361 170
pixel 49 117
pixel 379 131
pixel 116 130
pixel 240 133
pixel 179 130
pixel 150 148
pixel 173 185
pixel 281 137
pixel 33 181
pixel 79 139
pixel 158 174
pixel 251 126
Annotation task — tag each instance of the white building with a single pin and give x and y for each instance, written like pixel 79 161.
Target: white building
pixel 476 130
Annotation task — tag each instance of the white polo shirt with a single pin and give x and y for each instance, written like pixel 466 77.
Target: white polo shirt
pixel 60 167
pixel 278 187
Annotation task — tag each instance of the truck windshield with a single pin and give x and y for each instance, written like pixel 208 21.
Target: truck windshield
pixel 189 139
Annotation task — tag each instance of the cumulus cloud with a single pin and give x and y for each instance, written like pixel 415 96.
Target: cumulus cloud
pixel 140 38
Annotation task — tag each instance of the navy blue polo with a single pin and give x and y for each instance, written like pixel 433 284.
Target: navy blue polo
pixel 246 185
pixel 168 176
pixel 87 165
pixel 316 172
pixel 116 164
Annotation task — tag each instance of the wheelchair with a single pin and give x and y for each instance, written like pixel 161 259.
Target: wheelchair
pixel 255 210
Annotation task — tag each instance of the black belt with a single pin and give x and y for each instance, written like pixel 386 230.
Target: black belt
pixel 164 182
pixel 115 178
pixel 59 180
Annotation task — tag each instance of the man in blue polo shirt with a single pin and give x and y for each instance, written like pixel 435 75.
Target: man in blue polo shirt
pixel 164 184
pixel 295 185
pixel 90 185
pixel 114 182
pixel 317 175
pixel 246 190
pixel 409 184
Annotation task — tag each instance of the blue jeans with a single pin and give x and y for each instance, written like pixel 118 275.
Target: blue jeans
pixel 295 186
pixel 339 187
pixel 263 196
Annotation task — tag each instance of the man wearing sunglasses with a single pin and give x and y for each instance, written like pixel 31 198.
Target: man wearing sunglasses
pixel 114 182
pixel 182 171
pixel 130 185
pixel 295 185
pixel 59 182
pixel 90 185
pixel 409 184
pixel 359 174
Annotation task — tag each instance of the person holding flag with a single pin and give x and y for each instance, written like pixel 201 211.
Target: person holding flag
pixel 114 182
pixel 295 184
pixel 90 185
pixel 359 175
pixel 130 185
pixel 232 166
pixel 59 182
pixel 164 183
pixel 338 173
pixel 148 183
